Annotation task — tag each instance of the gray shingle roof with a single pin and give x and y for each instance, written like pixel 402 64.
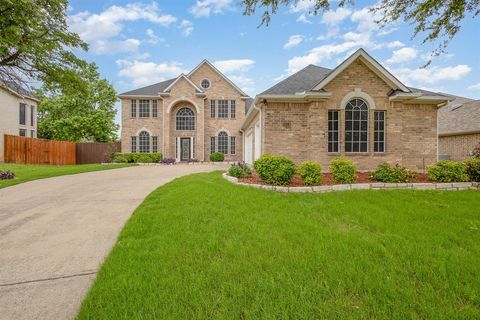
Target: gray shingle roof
pixel 151 90
pixel 460 115
pixel 248 104
pixel 18 89
pixel 303 80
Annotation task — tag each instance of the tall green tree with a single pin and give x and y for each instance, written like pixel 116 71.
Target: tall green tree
pixel 35 43
pixel 66 113
pixel 438 21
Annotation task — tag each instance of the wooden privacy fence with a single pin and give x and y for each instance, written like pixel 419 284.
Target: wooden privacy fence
pixel 95 152
pixel 38 151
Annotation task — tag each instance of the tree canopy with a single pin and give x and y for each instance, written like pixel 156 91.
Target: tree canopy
pixel 76 115
pixel 436 20
pixel 35 43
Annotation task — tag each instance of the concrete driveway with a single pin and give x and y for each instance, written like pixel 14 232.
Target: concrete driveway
pixel 55 233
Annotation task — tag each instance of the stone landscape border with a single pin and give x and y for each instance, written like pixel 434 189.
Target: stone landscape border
pixel 363 186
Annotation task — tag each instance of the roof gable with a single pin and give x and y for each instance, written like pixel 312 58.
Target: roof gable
pixel 151 90
pixel 182 76
pixel 206 62
pixel 371 63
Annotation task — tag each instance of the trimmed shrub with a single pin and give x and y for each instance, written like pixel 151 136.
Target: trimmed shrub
pixel 240 170
pixel 343 170
pixel 311 172
pixel 137 157
pixel 6 175
pixel 473 169
pixel 144 158
pixel 276 170
pixel 448 171
pixel 392 174
pixel 217 157
pixel 120 158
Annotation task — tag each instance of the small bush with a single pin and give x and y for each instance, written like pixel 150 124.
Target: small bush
pixel 240 170
pixel 217 157
pixel 476 152
pixel 276 170
pixel 6 175
pixel 144 158
pixel 120 158
pixel 473 169
pixel 168 161
pixel 137 157
pixel 343 170
pixel 311 172
pixel 448 171
pixel 389 174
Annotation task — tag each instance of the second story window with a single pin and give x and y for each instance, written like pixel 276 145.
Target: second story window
pixel 212 108
pixel 32 116
pixel 185 119
pixel 133 110
pixel 233 109
pixel 22 113
pixel 144 109
pixel 223 109
pixel 154 108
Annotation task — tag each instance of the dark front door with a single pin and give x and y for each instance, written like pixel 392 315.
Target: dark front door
pixel 184 149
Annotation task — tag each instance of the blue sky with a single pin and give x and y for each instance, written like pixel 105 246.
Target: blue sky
pixel 136 43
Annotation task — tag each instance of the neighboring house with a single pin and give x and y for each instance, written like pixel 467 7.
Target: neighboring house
pixel 459 128
pixel 188 117
pixel 358 110
pixel 18 113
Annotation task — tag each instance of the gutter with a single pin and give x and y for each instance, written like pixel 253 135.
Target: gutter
pixel 459 133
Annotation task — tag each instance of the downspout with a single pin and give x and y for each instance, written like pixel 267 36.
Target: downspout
pixel 260 118
pixel 243 144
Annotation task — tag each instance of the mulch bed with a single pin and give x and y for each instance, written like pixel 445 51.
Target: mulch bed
pixel 327 180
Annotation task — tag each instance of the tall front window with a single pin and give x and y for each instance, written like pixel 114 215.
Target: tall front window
pixel 185 119
pixel 212 145
pixel 333 131
pixel 133 144
pixel 233 109
pixel 32 116
pixel 223 109
pixel 133 108
pixel 212 108
pixel 154 108
pixel 144 109
pixel 154 144
pixel 356 126
pixel 144 142
pixel 223 142
pixel 379 131
pixel 22 113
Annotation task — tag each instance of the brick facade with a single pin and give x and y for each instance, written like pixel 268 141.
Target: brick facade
pixel 300 130
pixel 458 147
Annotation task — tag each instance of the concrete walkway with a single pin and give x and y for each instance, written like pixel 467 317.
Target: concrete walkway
pixel 55 233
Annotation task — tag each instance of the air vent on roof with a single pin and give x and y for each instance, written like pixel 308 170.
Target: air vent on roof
pixel 456 106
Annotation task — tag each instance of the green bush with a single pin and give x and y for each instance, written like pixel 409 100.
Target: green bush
pixel 390 174
pixel 240 171
pixel 343 170
pixel 276 170
pixel 311 172
pixel 448 171
pixel 473 169
pixel 137 157
pixel 217 157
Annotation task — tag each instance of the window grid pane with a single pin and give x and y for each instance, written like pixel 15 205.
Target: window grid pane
pixel 144 142
pixel 144 109
pixel 22 132
pixel 22 113
pixel 379 131
pixel 154 144
pixel 134 144
pixel 233 145
pixel 133 108
pixel 356 126
pixel 212 145
pixel 233 109
pixel 32 115
pixel 212 108
pixel 193 148
pixel 333 136
pixel 154 108
pixel 223 109
pixel 185 119
pixel 223 142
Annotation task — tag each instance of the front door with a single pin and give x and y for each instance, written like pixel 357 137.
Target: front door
pixel 184 149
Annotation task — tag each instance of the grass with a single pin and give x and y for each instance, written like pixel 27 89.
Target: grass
pixel 28 172
pixel 202 248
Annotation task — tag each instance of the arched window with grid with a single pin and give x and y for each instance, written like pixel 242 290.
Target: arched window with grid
pixel 356 126
pixel 185 119
pixel 144 142
pixel 223 142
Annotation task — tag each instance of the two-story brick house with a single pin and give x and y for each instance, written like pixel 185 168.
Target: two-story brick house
pixel 188 117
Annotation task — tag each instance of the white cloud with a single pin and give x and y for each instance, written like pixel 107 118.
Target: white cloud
pixel 144 73
pixel 403 55
pixel 303 19
pixel 113 47
pixel 187 27
pixel 204 8
pixel 474 86
pixel 234 65
pixel 293 41
pixel 334 17
pixel 395 44
pixel 366 19
pixel 302 6
pixel 245 83
pixel 431 75
pixel 152 37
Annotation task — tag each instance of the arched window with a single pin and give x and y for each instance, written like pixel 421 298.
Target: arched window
pixel 144 142
pixel 185 119
pixel 356 126
pixel 223 142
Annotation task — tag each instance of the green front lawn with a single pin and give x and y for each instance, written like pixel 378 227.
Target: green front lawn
pixel 203 248
pixel 27 172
